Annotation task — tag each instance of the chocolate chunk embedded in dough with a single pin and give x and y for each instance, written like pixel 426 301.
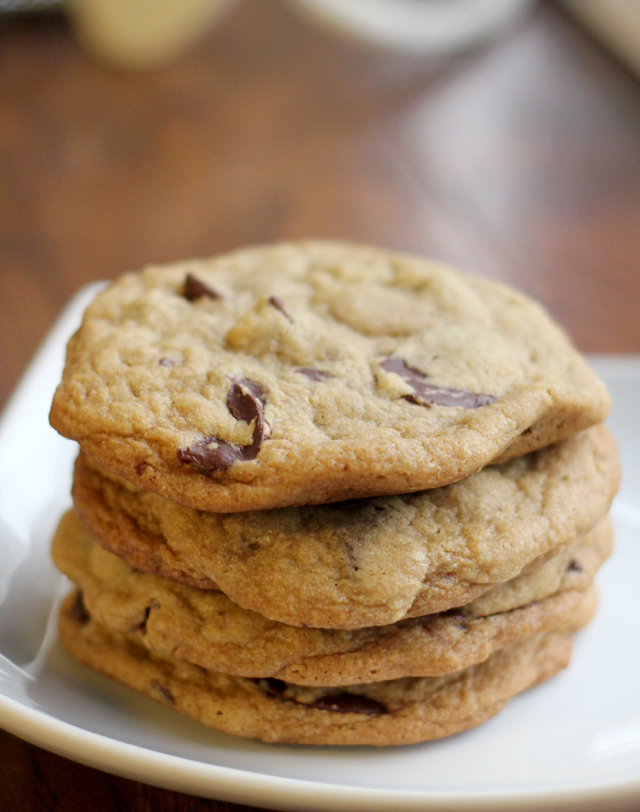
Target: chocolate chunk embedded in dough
pixel 279 305
pixel 245 402
pixel 195 289
pixel 314 374
pixel 212 454
pixel 425 394
pixel 79 610
pixel 164 692
pixel 344 702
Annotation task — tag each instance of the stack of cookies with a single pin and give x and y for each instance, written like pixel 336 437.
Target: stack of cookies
pixel 328 494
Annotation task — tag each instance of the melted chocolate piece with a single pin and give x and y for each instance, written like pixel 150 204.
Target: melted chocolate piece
pixel 338 703
pixel 273 686
pixel 279 305
pixel 425 394
pixel 195 289
pixel 142 627
pixel 349 703
pixel 245 402
pixel 165 692
pixel 211 454
pixel 79 610
pixel 314 374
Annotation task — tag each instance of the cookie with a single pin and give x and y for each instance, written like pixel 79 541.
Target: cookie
pixel 402 711
pixel 206 628
pixel 368 562
pixel 312 373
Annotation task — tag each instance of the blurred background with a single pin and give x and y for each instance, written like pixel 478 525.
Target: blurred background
pixel 502 136
pixel 515 154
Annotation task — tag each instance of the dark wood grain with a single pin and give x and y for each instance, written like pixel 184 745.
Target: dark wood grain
pixel 520 162
pixel 33 779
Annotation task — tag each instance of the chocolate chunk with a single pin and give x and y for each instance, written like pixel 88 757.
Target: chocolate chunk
pixel 279 305
pixel 425 394
pixel 350 703
pixel 338 703
pixel 140 468
pixel 211 454
pixel 314 374
pixel 273 686
pixel 195 289
pixel 79 610
pixel 165 692
pixel 245 402
pixel 142 626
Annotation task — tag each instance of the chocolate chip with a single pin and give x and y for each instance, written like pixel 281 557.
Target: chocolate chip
pixel 338 703
pixel 165 692
pixel 210 454
pixel 142 627
pixel 314 374
pixel 140 468
pixel 245 399
pixel 279 305
pixel 574 566
pixel 425 394
pixel 245 402
pixel 273 686
pixel 79 610
pixel 195 289
pixel 350 703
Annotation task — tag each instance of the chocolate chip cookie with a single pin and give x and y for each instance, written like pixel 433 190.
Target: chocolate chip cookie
pixel 401 711
pixel 368 562
pixel 315 372
pixel 204 627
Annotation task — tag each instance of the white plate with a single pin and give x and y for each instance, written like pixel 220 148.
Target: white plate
pixel 572 743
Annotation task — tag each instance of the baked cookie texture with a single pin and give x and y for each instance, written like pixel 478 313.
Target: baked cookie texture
pixel 204 627
pixel 329 494
pixel 402 711
pixel 368 562
pixel 309 373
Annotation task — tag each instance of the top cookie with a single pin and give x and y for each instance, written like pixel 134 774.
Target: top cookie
pixel 315 372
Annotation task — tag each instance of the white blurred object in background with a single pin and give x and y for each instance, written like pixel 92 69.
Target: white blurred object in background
pixel 146 34
pixel 419 26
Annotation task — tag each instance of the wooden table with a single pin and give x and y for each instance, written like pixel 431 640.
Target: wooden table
pixel 520 162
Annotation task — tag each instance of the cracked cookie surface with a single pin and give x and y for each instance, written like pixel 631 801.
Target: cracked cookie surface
pixel 368 562
pixel 315 372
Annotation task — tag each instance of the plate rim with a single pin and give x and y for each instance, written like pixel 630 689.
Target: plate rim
pixel 235 785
